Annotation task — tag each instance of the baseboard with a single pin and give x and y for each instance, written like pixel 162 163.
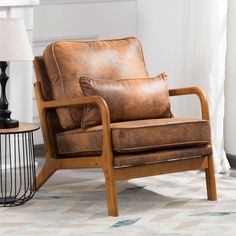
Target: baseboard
pixel 39 150
pixel 232 160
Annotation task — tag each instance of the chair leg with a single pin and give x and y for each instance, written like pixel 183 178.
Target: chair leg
pixel 210 180
pixel 111 196
pixel 47 171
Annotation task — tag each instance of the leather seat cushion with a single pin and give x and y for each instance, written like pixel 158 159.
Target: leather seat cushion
pixel 150 95
pixel 141 158
pixel 67 61
pixel 136 136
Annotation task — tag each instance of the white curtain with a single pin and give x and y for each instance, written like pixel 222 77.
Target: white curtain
pixel 207 53
pixel 187 39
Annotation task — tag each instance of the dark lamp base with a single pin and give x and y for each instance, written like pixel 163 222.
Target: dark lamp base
pixel 5 114
pixel 8 123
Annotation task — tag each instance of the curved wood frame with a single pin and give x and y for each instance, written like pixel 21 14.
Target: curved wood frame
pixel 105 161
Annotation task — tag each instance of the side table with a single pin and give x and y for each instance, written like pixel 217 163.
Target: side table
pixel 17 164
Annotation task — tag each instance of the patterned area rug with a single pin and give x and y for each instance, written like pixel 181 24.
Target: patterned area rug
pixel 167 205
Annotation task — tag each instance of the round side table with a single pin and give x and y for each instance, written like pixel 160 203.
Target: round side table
pixel 17 164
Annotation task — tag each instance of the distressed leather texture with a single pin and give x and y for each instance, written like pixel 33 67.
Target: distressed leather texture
pixel 142 158
pixel 67 61
pixel 123 97
pixel 137 136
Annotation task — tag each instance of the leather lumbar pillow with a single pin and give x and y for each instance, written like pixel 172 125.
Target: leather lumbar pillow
pixel 127 99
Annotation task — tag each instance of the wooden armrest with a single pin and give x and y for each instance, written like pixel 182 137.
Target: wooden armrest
pixel 200 94
pixel 74 102
pixel 81 101
pixel 45 105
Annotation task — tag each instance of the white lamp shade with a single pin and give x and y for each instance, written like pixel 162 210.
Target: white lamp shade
pixel 14 42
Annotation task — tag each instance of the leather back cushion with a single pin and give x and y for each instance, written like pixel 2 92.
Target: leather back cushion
pixel 132 99
pixel 67 61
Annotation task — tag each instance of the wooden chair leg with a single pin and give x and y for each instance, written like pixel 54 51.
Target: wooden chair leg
pixel 210 180
pixel 47 171
pixel 111 196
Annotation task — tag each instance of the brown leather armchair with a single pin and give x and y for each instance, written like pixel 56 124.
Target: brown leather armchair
pixel 122 149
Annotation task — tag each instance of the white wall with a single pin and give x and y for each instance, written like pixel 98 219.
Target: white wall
pixel 230 86
pixel 99 19
pixel 162 26
pixel 76 19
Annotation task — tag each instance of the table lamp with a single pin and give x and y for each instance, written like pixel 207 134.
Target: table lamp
pixel 14 46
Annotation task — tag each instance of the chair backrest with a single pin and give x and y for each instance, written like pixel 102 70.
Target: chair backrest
pixel 42 77
pixel 52 118
pixel 64 62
